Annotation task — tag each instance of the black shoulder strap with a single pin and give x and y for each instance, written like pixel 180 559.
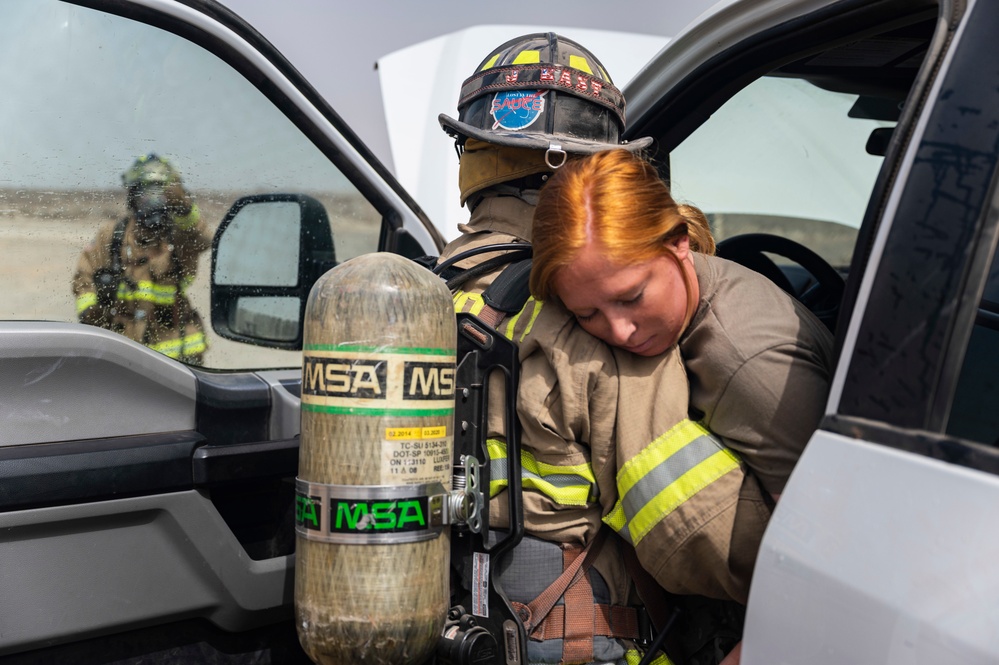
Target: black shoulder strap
pixel 511 288
pixel 507 293
pixel 116 242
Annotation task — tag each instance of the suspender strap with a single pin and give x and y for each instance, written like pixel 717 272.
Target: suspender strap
pixel 577 642
pixel 507 293
pixel 575 621
pixel 535 611
pixel 490 316
pixel 614 621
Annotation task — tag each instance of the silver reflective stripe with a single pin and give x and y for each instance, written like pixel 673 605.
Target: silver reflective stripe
pixel 667 473
pixel 564 488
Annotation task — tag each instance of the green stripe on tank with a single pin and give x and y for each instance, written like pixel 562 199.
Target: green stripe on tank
pixel 358 348
pixel 369 411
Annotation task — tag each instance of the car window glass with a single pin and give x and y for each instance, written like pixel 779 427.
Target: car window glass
pixel 85 95
pixel 785 157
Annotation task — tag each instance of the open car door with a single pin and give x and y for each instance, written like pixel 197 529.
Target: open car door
pixel 146 505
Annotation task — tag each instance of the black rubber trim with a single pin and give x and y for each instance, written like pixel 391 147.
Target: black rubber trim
pixel 68 472
pixel 924 297
pixel 936 446
pixel 218 464
pixel 232 407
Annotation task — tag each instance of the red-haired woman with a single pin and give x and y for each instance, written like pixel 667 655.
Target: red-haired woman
pixel 637 270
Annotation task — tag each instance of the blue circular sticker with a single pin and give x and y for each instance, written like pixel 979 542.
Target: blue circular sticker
pixel 517 109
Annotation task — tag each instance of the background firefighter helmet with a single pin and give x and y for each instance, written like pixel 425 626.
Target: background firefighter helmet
pixel 150 169
pixel 145 182
pixel 538 90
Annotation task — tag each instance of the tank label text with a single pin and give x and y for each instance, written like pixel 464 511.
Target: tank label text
pixel 424 457
pixel 375 514
pixel 378 381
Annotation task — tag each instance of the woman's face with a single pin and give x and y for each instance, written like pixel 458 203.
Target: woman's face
pixel 642 308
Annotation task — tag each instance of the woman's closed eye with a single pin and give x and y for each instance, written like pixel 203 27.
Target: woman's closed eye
pixel 628 301
pixel 635 299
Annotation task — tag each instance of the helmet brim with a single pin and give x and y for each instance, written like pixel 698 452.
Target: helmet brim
pixel 538 141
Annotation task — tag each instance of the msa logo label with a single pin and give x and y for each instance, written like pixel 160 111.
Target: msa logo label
pixel 378 516
pixel 422 380
pixel 344 377
pixel 308 512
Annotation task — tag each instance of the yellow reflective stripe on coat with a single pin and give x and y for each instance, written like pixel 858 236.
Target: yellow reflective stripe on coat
pixel 148 291
pixel 568 485
pixel 670 470
pixel 85 301
pixel 188 345
pixel 633 657
pixel 473 303
pixel 188 221
pixel 511 325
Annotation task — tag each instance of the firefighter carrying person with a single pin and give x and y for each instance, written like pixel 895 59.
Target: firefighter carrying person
pixel 587 410
pixel 132 278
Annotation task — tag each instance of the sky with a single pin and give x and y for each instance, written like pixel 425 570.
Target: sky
pixel 89 91
pixel 335 44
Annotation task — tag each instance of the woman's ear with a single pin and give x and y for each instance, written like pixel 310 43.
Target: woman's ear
pixel 679 243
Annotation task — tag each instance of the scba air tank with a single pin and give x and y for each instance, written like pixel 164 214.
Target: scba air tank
pixel 371 569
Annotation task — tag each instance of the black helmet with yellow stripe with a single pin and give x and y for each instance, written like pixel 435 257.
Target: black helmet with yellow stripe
pixel 541 91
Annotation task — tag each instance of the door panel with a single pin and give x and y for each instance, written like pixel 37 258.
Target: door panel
pixel 875 555
pixel 161 559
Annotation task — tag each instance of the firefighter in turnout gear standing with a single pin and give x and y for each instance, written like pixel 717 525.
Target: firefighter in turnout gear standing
pixel 533 103
pixel 133 277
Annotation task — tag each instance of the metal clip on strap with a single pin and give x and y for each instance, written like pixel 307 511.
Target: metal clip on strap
pixel 555 149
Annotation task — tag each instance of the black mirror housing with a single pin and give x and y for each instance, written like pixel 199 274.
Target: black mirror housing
pixel 291 237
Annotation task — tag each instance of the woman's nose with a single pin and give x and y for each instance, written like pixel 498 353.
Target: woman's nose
pixel 621 330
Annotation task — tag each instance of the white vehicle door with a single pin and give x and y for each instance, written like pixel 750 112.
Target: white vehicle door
pixel 867 132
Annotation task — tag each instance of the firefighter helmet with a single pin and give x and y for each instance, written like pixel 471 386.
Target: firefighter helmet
pixel 150 169
pixel 541 91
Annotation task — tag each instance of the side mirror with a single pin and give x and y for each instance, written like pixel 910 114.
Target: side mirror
pixel 267 253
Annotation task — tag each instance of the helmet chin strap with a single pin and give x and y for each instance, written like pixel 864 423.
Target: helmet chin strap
pixel 555 150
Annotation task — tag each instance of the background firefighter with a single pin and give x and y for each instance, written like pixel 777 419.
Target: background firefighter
pixel 132 278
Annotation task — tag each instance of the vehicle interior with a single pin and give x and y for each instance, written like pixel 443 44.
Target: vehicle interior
pixel 782 144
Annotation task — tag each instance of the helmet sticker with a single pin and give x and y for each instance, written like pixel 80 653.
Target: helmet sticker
pixel 544 77
pixel 517 109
